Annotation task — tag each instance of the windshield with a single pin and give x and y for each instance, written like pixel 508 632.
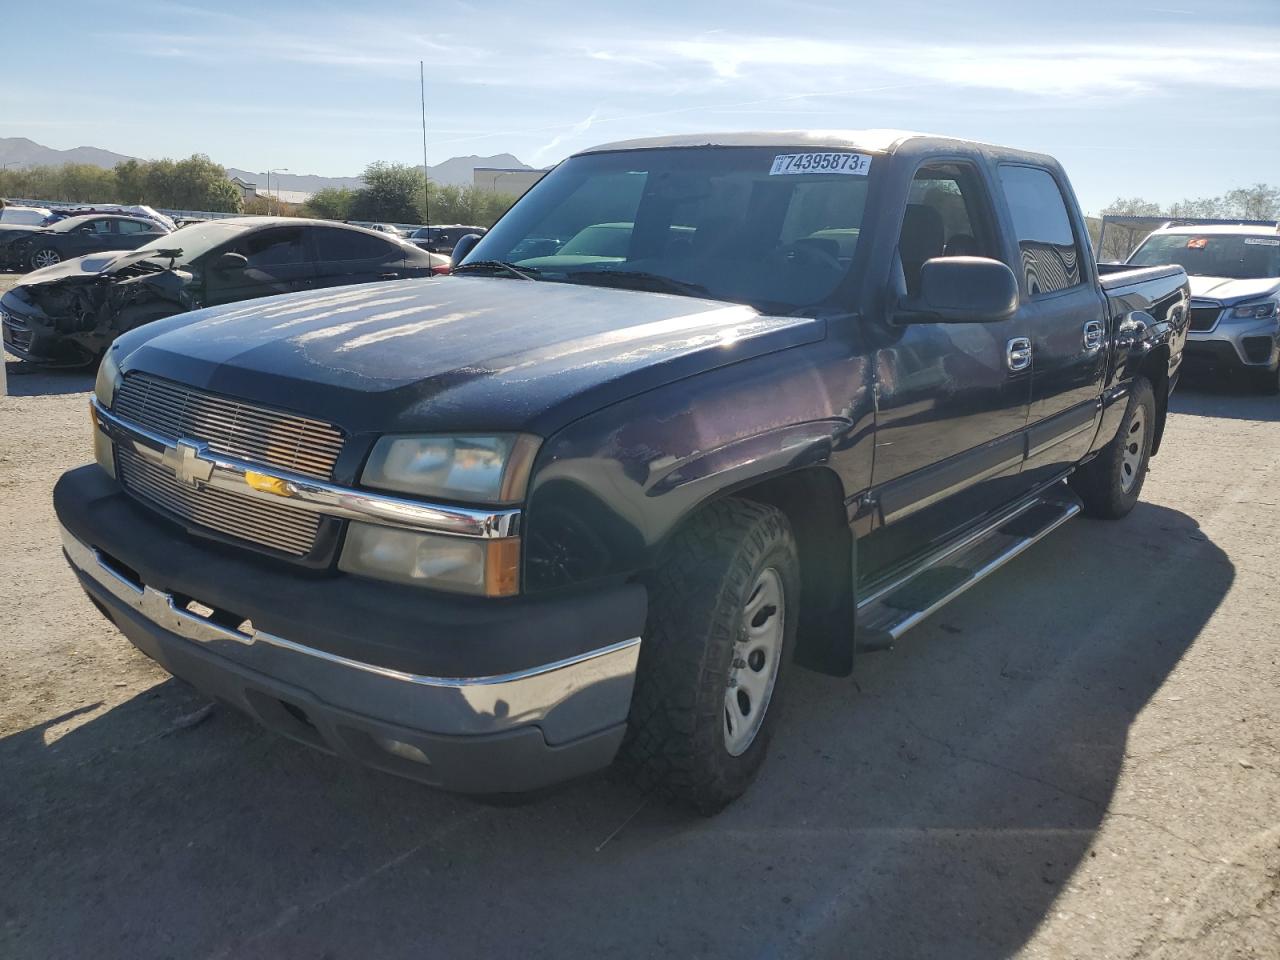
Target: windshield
pixel 1232 256
pixel 771 227
pixel 194 241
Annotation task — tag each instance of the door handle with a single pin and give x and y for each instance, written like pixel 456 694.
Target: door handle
pixel 1092 335
pixel 388 276
pixel 1018 354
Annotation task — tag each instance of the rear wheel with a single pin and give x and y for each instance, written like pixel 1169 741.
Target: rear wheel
pixel 722 619
pixel 1109 485
pixel 45 257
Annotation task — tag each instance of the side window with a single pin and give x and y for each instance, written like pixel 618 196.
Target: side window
pixel 99 226
pixel 948 215
pixel 1050 256
pixel 273 248
pixel 335 244
pixel 134 226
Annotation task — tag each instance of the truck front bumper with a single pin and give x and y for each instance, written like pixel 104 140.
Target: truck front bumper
pixel 484 732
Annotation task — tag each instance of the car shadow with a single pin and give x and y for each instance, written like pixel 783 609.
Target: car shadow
pixel 1214 395
pixel 29 380
pixel 934 806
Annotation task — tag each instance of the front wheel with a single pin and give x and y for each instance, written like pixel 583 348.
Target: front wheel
pixel 45 257
pixel 723 610
pixel 1109 484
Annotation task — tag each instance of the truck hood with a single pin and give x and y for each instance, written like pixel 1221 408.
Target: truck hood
pixel 455 353
pixel 1229 292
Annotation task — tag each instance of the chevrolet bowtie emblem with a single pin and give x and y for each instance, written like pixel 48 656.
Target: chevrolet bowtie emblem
pixel 185 460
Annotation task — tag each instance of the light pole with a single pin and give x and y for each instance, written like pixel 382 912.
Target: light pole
pixel 269 173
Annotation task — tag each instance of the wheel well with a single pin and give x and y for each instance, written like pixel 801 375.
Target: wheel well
pixel 1155 367
pixel 813 501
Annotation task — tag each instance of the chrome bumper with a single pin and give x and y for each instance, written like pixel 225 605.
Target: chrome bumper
pixel 566 700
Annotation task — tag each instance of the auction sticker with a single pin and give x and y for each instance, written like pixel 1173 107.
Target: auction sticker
pixel 849 163
pixel 1262 241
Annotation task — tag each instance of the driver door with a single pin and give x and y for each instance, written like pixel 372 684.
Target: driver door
pixel 952 398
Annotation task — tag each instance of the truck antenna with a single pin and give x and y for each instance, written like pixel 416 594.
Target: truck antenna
pixel 426 192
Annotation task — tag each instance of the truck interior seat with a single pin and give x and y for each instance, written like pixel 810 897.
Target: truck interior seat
pixel 923 236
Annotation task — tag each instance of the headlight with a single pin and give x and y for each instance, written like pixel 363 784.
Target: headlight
pixel 104 389
pixel 1258 310
pixel 487 568
pixel 473 469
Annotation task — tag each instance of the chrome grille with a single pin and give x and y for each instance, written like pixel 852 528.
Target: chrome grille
pixel 230 427
pixel 1204 318
pixel 267 524
pixel 235 429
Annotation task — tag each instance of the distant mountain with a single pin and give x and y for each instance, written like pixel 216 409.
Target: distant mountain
pixel 21 152
pixel 457 171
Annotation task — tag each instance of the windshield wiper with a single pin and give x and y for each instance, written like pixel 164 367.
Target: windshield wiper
pixel 638 280
pixel 522 273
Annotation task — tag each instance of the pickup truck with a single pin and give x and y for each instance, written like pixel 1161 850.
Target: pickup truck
pixel 495 531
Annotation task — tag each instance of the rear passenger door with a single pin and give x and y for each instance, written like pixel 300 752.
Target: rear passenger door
pixel 353 256
pixel 1065 315
pixel 277 261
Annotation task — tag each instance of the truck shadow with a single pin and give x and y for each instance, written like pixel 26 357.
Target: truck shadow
pixel 934 808
pixel 1209 395
pixel 27 380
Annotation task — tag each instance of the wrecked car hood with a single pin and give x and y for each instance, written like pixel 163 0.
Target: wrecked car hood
pixel 88 267
pixel 1229 292
pixel 455 353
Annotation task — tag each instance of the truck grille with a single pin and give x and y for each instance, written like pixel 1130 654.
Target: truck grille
pixel 1204 319
pixel 230 427
pixel 266 524
pixel 235 429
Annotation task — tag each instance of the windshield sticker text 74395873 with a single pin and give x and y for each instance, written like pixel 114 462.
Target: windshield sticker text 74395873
pixel 855 163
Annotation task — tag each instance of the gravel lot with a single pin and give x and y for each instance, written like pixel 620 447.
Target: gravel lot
pixel 1079 758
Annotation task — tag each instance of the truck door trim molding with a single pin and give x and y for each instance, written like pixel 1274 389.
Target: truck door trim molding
pixel 906 495
pixel 1062 426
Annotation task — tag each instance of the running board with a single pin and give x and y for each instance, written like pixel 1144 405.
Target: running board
pixel 891 609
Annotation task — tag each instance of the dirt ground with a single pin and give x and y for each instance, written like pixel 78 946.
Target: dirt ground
pixel 1079 758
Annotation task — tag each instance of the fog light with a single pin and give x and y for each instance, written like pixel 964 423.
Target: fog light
pixel 405 751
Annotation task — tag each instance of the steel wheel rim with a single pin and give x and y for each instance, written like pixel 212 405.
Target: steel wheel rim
pixel 1135 442
pixel 45 258
pixel 757 653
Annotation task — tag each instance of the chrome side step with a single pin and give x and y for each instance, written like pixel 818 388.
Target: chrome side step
pixel 891 609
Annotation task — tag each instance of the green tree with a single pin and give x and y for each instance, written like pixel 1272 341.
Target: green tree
pixel 392 193
pixel 332 203
pixel 1259 202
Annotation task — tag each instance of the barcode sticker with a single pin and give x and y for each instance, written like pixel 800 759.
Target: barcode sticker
pixel 856 164
pixel 1262 241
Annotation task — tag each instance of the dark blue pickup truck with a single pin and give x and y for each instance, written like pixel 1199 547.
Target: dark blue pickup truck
pixel 695 409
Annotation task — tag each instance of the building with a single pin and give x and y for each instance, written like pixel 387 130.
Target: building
pixel 512 180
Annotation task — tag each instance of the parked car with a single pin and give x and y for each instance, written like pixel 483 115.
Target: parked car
pixel 138 210
pixel 1235 293
pixel 443 239
pixel 23 216
pixel 69 313
pixel 492 531
pixel 387 228
pixel 77 236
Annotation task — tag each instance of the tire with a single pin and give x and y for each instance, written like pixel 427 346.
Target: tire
pixel 44 257
pixel 733 564
pixel 1110 484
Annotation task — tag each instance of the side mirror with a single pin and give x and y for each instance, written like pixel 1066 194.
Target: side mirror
pixel 465 245
pixel 962 290
pixel 231 261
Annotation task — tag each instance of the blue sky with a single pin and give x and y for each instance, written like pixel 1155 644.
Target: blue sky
pixel 1165 99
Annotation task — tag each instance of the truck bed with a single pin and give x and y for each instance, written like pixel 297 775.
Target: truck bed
pixel 1119 276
